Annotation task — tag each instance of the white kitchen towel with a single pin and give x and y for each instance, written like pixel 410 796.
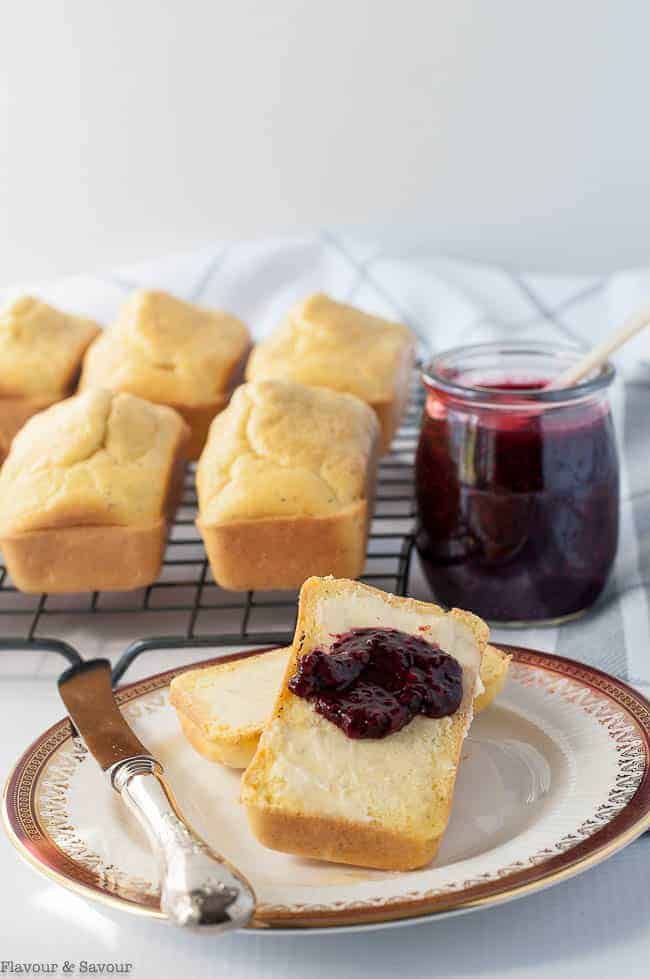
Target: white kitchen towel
pixel 446 302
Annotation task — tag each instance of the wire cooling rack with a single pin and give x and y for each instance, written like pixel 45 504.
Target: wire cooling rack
pixel 185 608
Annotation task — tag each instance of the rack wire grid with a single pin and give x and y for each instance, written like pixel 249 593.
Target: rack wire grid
pixel 185 608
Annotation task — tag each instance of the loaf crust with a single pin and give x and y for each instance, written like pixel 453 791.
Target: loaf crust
pixel 329 344
pixel 173 353
pixel 41 349
pixel 87 492
pixel 233 742
pixel 79 559
pixel 14 412
pixel 282 552
pixel 288 821
pixel 235 753
pixel 285 486
pixel 494 673
pixel 340 842
pixel 198 418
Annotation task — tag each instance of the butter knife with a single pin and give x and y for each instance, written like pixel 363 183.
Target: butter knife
pixel 198 886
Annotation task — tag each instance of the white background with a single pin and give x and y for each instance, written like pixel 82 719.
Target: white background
pixel 504 130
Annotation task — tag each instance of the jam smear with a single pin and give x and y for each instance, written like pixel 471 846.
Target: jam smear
pixel 372 682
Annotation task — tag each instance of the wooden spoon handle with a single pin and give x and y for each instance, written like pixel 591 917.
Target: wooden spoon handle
pixel 596 357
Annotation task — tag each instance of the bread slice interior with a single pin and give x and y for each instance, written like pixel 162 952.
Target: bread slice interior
pixel 383 803
pixel 223 709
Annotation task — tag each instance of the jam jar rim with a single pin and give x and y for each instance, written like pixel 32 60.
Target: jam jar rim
pixel 498 397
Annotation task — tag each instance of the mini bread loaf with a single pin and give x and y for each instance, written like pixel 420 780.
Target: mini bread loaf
pixel 172 353
pixel 333 345
pixel 383 803
pixel 86 493
pixel 285 486
pixel 223 709
pixel 40 356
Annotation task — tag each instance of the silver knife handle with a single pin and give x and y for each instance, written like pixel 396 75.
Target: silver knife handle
pixel 198 887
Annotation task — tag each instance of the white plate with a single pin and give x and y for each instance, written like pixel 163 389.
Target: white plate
pixel 554 778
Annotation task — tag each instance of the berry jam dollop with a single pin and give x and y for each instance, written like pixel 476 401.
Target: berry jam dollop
pixel 372 682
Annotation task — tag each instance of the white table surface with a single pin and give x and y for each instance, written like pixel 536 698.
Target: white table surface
pixel 596 925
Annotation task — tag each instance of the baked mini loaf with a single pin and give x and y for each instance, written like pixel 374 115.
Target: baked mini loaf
pixel 86 493
pixel 223 709
pixel 41 349
pixel 285 486
pixel 382 803
pixel 334 345
pixel 172 353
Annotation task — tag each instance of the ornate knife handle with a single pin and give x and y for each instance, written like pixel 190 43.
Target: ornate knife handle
pixel 199 887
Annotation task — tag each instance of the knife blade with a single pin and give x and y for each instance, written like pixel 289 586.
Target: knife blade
pixel 199 887
pixel 87 694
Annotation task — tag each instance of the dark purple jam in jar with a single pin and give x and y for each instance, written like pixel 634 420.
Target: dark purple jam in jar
pixel 517 487
pixel 372 682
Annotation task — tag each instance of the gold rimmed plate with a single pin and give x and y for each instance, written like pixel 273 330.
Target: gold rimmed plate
pixel 555 777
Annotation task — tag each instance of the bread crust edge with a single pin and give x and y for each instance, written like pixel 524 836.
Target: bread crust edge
pixel 234 753
pixel 274 553
pixel 14 412
pixel 339 841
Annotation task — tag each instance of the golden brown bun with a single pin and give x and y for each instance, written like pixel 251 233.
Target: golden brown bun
pixel 86 492
pixel 41 349
pixel 380 803
pixel 285 486
pixel 223 709
pixel 329 344
pixel 172 353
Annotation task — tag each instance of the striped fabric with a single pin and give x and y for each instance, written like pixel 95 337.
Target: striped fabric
pixel 446 302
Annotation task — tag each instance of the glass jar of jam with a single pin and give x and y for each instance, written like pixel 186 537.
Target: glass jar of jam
pixel 517 486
